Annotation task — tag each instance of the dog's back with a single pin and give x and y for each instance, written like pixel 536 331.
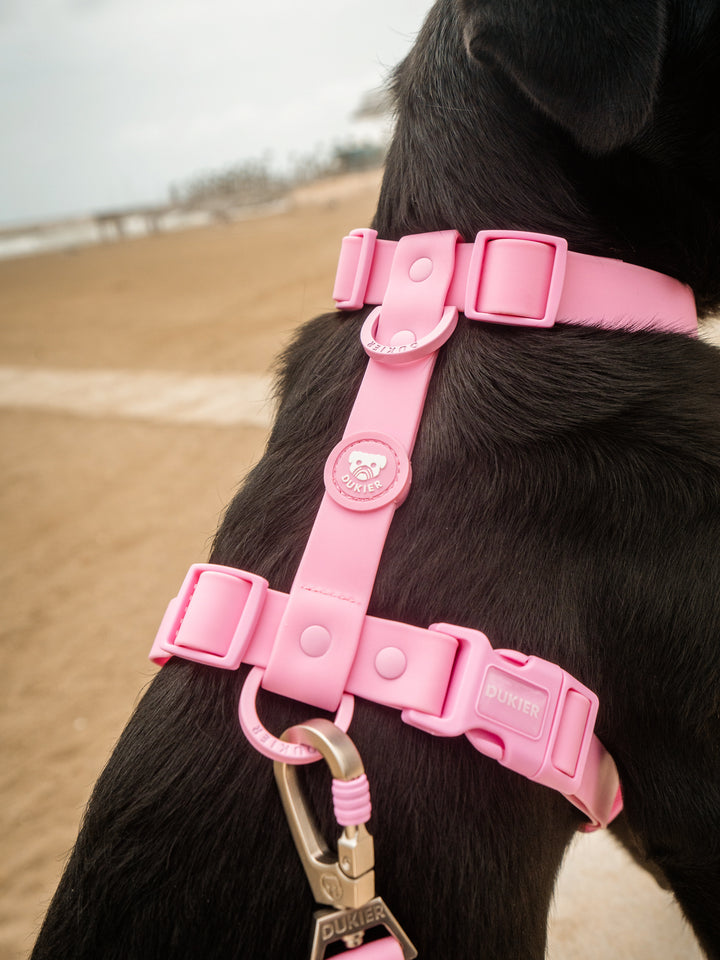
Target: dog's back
pixel 565 501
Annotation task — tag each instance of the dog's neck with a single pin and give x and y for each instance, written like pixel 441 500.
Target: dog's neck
pixel 471 153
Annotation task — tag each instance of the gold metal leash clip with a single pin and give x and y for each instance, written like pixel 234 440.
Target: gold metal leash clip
pixel 345 883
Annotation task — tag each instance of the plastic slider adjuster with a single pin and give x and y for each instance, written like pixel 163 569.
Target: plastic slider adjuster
pixel 515 278
pixel 526 713
pixel 353 271
pixel 213 618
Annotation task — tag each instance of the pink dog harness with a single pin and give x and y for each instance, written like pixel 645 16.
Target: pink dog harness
pixel 317 644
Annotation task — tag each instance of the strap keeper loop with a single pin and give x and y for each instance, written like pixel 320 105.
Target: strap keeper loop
pixel 353 271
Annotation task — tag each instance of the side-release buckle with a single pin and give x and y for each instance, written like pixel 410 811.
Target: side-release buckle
pixel 213 617
pixel 528 714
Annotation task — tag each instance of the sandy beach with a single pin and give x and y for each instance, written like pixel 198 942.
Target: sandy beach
pixel 133 385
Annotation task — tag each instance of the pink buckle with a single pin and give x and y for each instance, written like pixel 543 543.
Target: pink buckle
pixel 353 271
pixel 528 714
pixel 515 277
pixel 213 618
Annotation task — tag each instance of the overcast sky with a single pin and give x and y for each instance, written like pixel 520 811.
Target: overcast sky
pixel 106 103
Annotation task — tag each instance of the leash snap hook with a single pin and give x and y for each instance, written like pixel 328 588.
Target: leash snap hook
pixel 345 883
pixel 347 880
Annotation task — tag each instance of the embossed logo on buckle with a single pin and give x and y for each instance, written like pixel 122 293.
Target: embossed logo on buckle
pixel 517 704
pixel 526 713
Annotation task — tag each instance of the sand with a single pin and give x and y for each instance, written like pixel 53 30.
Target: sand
pixel 105 503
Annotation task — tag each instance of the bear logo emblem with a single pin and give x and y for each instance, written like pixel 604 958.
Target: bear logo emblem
pixel 366 466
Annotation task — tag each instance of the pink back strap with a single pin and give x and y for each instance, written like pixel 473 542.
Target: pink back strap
pixel 367 476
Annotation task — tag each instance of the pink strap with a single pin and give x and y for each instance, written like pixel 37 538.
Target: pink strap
pixel 528 279
pixel 385 949
pixel 528 714
pixel 397 665
pixel 319 633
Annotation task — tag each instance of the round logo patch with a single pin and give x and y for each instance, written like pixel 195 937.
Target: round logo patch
pixel 367 471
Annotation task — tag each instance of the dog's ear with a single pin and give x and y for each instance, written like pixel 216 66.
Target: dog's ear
pixel 591 65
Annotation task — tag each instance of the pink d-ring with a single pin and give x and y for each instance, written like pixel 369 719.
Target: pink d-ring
pixel 407 352
pixel 270 746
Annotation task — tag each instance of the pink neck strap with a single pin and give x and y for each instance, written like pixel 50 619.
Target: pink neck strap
pixel 318 644
pixel 528 279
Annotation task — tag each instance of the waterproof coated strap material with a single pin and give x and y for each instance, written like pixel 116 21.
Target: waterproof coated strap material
pixel 529 279
pixel 386 949
pixel 367 476
pixel 526 713
pixel 397 665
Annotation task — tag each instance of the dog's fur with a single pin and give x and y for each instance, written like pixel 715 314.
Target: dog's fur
pixel 566 501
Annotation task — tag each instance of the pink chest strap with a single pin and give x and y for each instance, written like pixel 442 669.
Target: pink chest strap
pixel 528 714
pixel 317 644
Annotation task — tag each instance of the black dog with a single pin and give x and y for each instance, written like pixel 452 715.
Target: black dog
pixel 566 501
